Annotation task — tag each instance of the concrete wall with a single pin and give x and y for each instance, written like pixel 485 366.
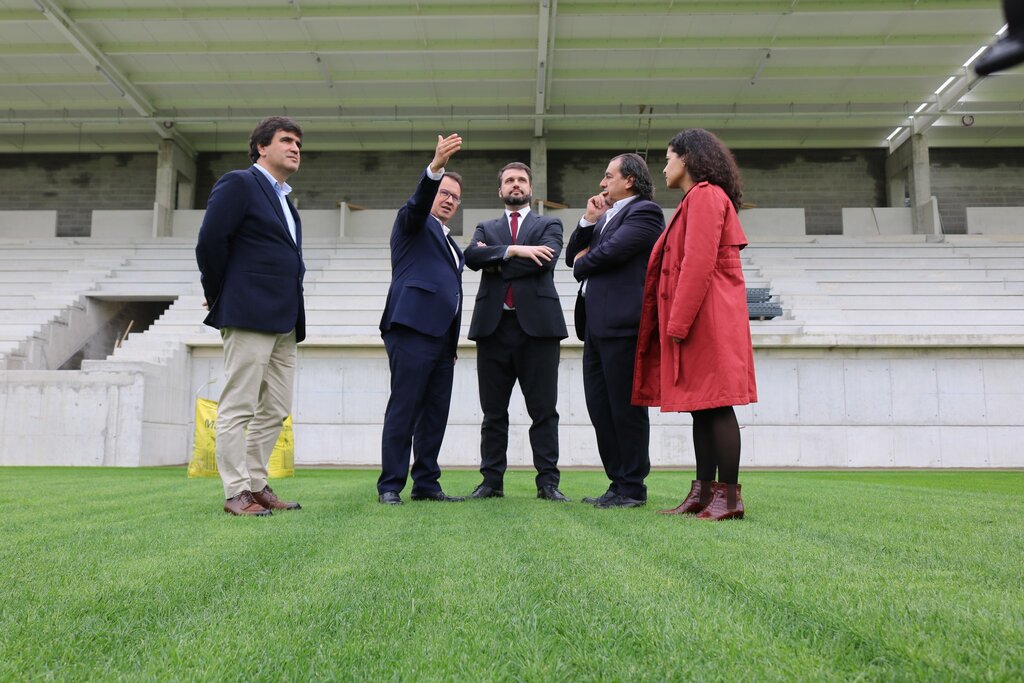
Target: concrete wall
pixel 989 176
pixel 70 418
pixel 76 184
pixel 28 224
pixel 874 221
pixel 819 181
pixel 122 224
pixel 851 407
pixel 818 408
pixel 995 221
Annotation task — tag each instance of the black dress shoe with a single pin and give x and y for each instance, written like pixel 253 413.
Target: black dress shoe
pixel 619 501
pixel 1007 52
pixel 390 498
pixel 591 500
pixel 439 496
pixel 552 493
pixel 485 491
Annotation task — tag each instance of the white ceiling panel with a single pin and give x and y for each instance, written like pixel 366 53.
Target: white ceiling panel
pixel 826 73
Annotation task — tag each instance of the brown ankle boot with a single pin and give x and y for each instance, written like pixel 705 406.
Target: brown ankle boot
pixel 726 503
pixel 695 501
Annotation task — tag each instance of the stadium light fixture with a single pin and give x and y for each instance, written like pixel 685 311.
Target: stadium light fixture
pixel 949 81
pixel 760 66
pixel 981 51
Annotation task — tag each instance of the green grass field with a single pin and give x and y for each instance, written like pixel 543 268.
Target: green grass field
pixel 137 574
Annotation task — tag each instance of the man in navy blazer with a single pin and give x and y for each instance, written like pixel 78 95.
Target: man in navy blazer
pixel 608 254
pixel 250 260
pixel 517 326
pixel 420 327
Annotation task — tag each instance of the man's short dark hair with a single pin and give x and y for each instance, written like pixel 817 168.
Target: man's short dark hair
pixel 633 166
pixel 454 176
pixel 518 165
pixel 263 133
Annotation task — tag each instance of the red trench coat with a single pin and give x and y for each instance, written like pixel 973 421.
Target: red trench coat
pixel 695 291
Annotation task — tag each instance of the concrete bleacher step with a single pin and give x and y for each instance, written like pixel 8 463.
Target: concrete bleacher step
pixel 868 265
pixel 911 335
pixel 961 319
pixel 930 289
pixel 897 276
pixel 908 302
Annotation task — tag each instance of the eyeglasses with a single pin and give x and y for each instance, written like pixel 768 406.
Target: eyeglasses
pixel 445 194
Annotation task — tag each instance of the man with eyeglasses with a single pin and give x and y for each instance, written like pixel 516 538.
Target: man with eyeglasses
pixel 420 327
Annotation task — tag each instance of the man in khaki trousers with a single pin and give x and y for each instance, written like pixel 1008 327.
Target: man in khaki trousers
pixel 250 260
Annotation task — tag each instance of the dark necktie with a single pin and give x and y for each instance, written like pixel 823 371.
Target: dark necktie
pixel 513 224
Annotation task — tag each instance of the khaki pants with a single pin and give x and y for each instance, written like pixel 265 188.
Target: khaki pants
pixel 259 372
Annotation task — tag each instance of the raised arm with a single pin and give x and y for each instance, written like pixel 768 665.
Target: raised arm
pixel 412 215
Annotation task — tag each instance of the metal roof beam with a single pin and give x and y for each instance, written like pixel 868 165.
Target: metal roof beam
pixel 509 8
pixel 291 10
pixel 778 44
pixel 105 68
pixel 947 97
pixel 547 11
pixel 749 7
pixel 66 27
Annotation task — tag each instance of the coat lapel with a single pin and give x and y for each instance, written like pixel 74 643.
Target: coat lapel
pixel 445 242
pixel 525 227
pixel 602 231
pixel 271 195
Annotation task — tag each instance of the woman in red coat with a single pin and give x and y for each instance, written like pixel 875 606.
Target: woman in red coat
pixel 694 352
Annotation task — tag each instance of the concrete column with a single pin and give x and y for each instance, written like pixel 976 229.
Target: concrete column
pixel 908 173
pixel 539 166
pixel 175 185
pixel 896 189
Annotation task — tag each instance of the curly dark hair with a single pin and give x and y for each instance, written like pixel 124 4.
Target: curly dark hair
pixel 633 166
pixel 707 158
pixel 264 132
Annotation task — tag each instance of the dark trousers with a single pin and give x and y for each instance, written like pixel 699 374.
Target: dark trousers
pixel 422 370
pixel 503 357
pixel 623 430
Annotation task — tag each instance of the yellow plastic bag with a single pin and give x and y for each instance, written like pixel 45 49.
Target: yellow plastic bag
pixel 204 454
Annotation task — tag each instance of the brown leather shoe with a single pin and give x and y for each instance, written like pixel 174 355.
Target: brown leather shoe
pixel 726 503
pixel 696 500
pixel 268 499
pixel 243 504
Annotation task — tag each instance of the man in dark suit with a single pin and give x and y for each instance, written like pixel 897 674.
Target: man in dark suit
pixel 250 260
pixel 608 253
pixel 517 325
pixel 420 327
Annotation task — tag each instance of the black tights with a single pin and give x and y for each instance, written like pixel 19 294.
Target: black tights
pixel 716 441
